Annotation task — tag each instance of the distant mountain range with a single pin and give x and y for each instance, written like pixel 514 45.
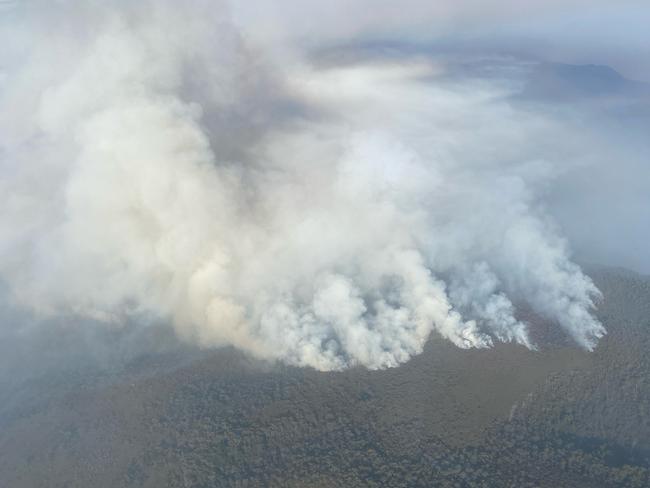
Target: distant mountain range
pixel 574 82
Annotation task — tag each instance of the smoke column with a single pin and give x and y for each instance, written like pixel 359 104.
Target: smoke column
pixel 153 162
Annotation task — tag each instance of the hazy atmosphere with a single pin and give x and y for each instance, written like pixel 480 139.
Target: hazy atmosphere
pixel 317 184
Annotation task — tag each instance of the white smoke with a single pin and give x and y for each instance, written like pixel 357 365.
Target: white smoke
pixel 153 163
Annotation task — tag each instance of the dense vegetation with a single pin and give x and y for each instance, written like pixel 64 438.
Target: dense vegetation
pixel 504 417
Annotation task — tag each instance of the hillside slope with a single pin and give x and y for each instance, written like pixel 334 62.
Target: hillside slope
pixel 559 417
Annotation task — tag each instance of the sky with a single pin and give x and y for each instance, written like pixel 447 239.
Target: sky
pixel 319 183
pixel 575 31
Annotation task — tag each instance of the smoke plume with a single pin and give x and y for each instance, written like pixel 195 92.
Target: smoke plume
pixel 156 163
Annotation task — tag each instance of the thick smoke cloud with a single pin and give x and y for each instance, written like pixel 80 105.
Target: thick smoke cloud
pixel 154 163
